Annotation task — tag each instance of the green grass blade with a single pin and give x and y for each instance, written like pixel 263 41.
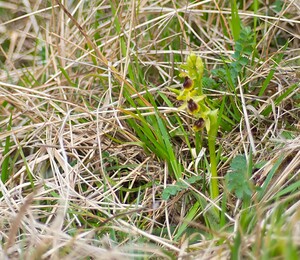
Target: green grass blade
pixel 271 73
pixel 26 165
pixel 65 73
pixel 169 149
pixel 222 214
pixel 255 19
pixel 187 220
pixel 235 249
pixel 289 189
pixel 178 121
pixel 275 167
pixel 5 164
pixel 235 20
pixel 279 99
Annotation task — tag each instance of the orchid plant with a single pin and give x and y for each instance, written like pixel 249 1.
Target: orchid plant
pixel 194 101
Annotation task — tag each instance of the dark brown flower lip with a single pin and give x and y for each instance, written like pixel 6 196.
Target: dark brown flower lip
pixel 188 83
pixel 199 123
pixel 192 105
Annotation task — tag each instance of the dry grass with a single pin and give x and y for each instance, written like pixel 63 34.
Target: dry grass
pixel 81 182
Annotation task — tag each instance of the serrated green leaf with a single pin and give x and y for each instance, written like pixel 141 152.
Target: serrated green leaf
pixel 239 163
pixel 239 193
pixel 236 178
pixel 172 190
pixel 181 185
pixel 238 46
pixel 169 191
pixel 165 195
pixel 243 61
pixel 194 179
pixel 209 83
pixel 236 55
pixel 248 50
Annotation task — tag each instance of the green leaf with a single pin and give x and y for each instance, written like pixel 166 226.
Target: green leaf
pixel 172 190
pixel 236 177
pixel 194 179
pixel 243 61
pixel 238 163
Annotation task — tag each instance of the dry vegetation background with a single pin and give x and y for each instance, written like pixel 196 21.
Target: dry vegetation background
pixel 81 182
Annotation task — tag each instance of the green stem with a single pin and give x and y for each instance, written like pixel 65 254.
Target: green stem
pixel 214 189
pixel 198 83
